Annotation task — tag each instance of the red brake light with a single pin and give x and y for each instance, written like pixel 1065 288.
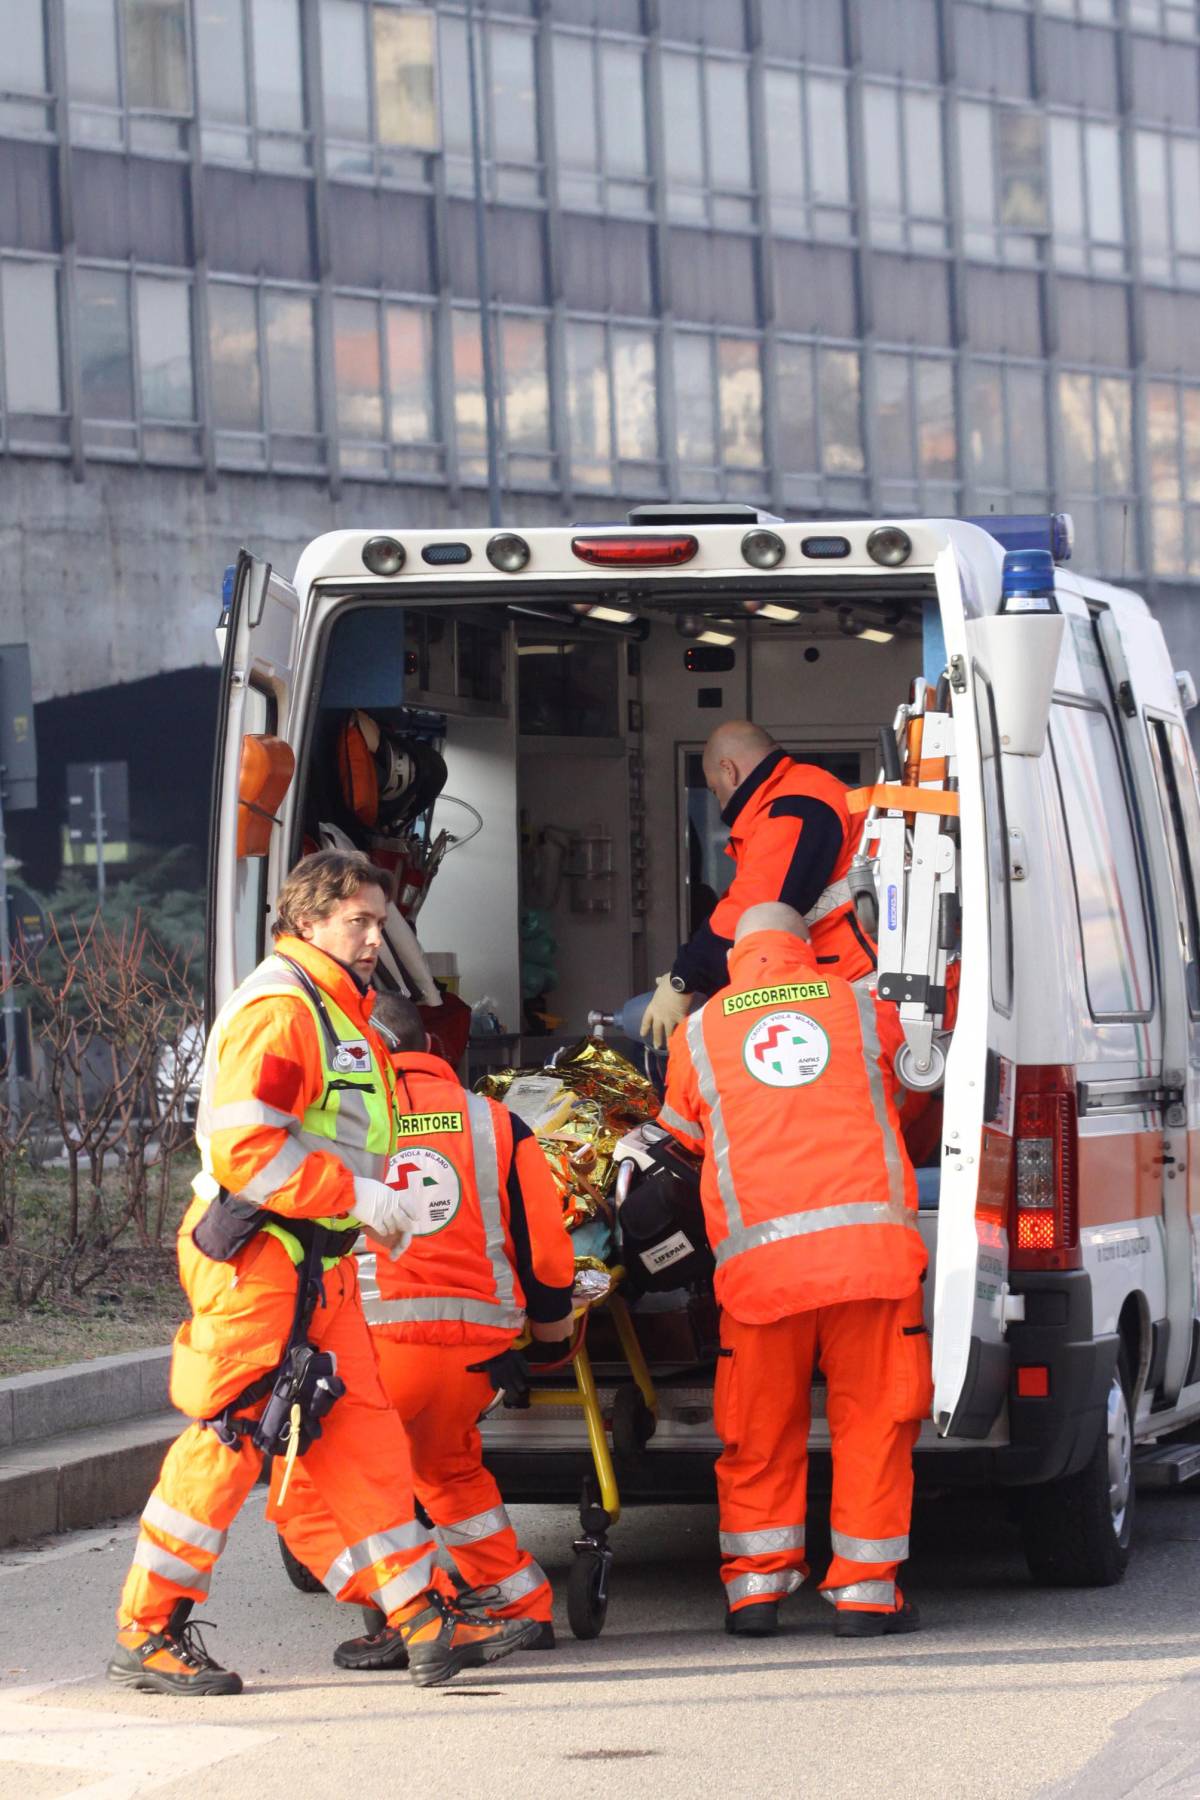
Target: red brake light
pixel 1033 1381
pixel 1043 1230
pixel 643 551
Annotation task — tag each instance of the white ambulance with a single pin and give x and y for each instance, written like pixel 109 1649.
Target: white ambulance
pixel 569 676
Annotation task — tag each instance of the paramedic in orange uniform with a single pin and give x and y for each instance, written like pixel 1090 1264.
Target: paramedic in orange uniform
pixel 296 1125
pixel 792 840
pixel 810 1205
pixel 490 1250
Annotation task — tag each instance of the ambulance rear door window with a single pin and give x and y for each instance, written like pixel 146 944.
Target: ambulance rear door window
pixel 251 890
pixel 996 831
pixel 1181 821
pixel 1104 862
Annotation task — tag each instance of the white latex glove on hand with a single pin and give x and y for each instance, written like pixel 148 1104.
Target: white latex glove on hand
pixel 666 1010
pixel 385 1215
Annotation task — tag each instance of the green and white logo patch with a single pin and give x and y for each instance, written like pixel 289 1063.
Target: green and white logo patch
pixel 429 1179
pixel 786 1050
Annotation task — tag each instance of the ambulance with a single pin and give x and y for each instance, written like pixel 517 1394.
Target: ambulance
pixel 1031 834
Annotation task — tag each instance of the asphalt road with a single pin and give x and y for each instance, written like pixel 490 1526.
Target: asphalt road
pixel 1008 1692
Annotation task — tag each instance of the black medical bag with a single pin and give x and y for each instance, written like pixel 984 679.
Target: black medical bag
pixel 661 1224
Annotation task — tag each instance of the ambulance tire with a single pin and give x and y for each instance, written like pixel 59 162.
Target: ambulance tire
pixel 297 1574
pixel 633 1424
pixel 587 1595
pixel 1078 1532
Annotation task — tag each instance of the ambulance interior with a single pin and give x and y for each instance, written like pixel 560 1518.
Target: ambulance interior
pixel 578 843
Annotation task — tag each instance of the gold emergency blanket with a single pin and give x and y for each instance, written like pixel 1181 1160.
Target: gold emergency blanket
pixel 578 1110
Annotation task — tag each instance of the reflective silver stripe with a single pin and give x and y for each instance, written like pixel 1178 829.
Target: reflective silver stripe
pixel 869 1550
pixel 862 1593
pixel 237 1113
pixel 821 1218
pixel 407 1585
pixel 720 1137
pixel 430 1309
pixel 775 1585
pixel 668 1116
pixel 275 1173
pixel 188 1531
pixel 835 895
pixel 152 1556
pixel 373 1549
pixel 480 1525
pixel 357 1160
pixel 764 1542
pixel 871 1054
pixel 487 1184
pixel 515 1587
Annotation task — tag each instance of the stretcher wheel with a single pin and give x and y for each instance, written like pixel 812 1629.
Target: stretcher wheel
pixel 920 1081
pixel 587 1594
pixel 297 1574
pixel 633 1424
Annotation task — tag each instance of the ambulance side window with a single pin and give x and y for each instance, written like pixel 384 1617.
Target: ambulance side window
pixel 1181 821
pixel 995 824
pixel 1104 862
pixel 250 891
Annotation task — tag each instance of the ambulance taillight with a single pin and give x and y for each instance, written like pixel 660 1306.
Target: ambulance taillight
pixel 1043 1228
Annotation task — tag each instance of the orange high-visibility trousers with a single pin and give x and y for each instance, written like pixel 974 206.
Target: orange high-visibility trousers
pixel 376 1552
pixel 438 1400
pixel 875 1358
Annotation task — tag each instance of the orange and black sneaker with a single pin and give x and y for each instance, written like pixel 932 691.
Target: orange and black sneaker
pixel 170 1661
pixel 441 1638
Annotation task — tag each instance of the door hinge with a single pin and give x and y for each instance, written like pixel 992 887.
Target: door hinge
pixel 958 674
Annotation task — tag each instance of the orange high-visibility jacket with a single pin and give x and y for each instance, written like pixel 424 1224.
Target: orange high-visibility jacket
pixel 493 1247
pixel 792 839
pixel 809 1196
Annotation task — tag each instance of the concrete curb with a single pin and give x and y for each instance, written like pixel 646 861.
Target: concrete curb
pixel 78 1478
pixel 79 1395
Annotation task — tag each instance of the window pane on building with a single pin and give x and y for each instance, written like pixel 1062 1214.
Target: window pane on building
pixel 936 442
pixel 105 350
pixel 1066 182
pixel 1022 170
pixel 1077 432
pixel 29 315
pixel 1162 440
pixel 233 340
pixel 739 370
pixel 1114 435
pixel 470 414
pixel 683 147
pixel 358 373
pixel 344 83
pixel 635 382
pixel 588 409
pixel 574 105
pixel 893 396
pixel 514 96
pixel 278 65
pixel 695 436
pixel 623 99
pixel 1150 161
pixel 784 128
pixel 24 39
pixel 92 52
pixel 1185 174
pixel 841 412
pixel 404 92
pixel 411 374
pixel 291 360
pixel 1105 214
pixel 976 170
pixel 923 154
pixel 164 329
pixel 985 425
pixel 1027 424
pixel 796 434
pixel 221 60
pixel 828 142
pixel 729 124
pixel 526 383
pixel 882 153
pixel 156 55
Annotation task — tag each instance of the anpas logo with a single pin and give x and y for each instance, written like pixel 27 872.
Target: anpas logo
pixel 430 1179
pixel 786 1050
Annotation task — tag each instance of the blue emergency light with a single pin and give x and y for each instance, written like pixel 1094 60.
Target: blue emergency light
pixel 1027 582
pixel 227 581
pixel 1051 532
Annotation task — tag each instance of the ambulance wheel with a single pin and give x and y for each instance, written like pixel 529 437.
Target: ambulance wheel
pixel 297 1574
pixel 587 1594
pixel 1078 1532
pixel 633 1424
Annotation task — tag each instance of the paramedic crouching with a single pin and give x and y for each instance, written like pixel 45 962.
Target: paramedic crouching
pixel 810 1206
pixel 791 838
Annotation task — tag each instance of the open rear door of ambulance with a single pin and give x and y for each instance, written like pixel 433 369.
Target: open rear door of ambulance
pixel 970 1358
pixel 252 767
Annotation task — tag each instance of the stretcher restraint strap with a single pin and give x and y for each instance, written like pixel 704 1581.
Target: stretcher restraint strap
pixel 892 797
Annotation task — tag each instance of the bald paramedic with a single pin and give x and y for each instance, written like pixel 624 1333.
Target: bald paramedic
pixel 791 840
pixel 296 1125
pixel 782 1082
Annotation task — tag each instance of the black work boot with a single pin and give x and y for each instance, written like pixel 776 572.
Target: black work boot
pixel 380 1648
pixel 170 1661
pixel 855 1624
pixel 759 1619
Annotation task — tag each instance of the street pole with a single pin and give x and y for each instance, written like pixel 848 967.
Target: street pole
pixel 6 975
pixel 485 283
pixel 98 813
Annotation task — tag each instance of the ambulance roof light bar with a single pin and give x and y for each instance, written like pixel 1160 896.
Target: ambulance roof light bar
pixel 1053 532
pixel 700 513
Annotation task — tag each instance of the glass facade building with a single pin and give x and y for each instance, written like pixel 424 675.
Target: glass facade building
pixel 831 256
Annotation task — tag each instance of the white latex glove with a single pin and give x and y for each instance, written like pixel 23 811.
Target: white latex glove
pixel 388 1216
pixel 666 1010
